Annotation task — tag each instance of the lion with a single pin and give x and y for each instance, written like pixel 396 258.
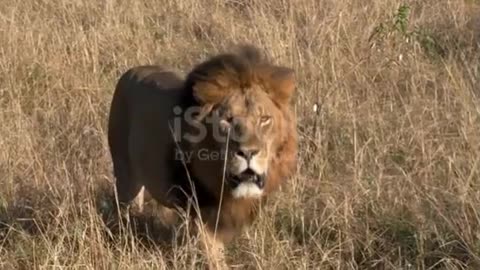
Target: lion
pixel 223 138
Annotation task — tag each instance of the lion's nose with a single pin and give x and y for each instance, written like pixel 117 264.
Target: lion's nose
pixel 247 153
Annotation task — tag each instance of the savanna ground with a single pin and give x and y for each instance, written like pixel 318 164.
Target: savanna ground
pixel 389 171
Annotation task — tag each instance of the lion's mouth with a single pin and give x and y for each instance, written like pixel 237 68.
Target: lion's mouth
pixel 247 176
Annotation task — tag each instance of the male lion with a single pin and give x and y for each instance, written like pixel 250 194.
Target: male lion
pixel 223 138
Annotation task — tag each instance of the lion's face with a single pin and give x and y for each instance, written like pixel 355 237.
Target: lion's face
pixel 247 128
pixel 242 131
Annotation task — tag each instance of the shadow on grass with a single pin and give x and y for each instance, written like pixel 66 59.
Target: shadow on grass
pixel 38 223
pixel 155 226
pixel 41 214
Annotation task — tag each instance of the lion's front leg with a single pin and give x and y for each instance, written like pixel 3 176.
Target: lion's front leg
pixel 212 246
pixel 215 251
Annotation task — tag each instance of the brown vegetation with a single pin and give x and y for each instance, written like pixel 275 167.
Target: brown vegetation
pixel 389 164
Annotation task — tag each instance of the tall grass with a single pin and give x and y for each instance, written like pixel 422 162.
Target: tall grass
pixel 389 174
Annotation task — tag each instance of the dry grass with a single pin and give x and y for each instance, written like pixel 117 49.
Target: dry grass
pixel 389 172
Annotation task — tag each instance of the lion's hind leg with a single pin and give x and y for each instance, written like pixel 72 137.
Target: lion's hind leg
pixel 139 200
pixel 129 191
pixel 127 185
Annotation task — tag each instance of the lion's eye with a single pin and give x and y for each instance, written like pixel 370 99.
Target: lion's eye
pixel 265 120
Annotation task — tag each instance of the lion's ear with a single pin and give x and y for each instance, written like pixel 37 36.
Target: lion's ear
pixel 282 81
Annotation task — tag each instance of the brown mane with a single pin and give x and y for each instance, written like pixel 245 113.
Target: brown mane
pixel 209 81
pixel 212 80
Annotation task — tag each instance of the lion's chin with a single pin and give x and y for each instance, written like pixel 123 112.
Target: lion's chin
pixel 247 190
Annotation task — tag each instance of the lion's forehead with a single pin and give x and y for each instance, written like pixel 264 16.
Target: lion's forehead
pixel 250 103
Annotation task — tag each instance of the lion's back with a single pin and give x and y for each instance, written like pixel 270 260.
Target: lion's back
pixel 141 116
pixel 149 95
